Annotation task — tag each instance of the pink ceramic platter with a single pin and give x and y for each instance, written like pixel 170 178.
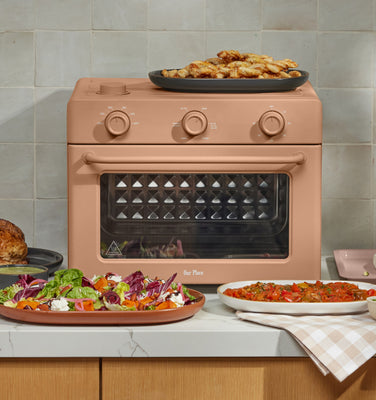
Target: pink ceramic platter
pixel 106 317
pixel 356 265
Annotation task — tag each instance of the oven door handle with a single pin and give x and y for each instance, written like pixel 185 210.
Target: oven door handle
pixel 296 158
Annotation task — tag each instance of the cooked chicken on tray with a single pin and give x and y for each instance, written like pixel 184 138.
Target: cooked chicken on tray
pixel 13 249
pixel 231 64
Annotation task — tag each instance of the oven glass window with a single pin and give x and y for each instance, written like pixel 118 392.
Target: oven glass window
pixel 194 215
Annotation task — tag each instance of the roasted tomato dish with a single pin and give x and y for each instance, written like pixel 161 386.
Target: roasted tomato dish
pixel 303 292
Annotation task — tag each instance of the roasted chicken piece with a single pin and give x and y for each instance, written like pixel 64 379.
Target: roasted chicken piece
pixel 232 64
pixel 175 73
pixel 13 249
pixel 201 69
pixel 215 61
pixel 229 55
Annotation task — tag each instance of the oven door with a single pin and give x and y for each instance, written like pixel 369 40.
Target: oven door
pixel 211 213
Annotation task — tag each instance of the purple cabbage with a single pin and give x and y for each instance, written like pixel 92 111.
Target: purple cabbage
pixel 167 284
pixel 135 282
pixel 112 297
pixel 25 280
pixel 158 287
pixel 153 287
pixel 87 282
pixel 28 292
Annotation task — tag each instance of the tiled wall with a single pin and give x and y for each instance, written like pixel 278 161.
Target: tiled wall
pixel 46 45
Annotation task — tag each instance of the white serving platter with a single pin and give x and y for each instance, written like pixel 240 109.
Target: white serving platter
pixel 350 307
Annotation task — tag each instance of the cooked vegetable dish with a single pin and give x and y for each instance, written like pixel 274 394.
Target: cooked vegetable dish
pixel 303 292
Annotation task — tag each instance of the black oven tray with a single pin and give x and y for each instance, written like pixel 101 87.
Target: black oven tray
pixel 210 85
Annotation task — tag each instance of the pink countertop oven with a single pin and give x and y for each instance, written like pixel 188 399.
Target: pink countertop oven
pixel 217 187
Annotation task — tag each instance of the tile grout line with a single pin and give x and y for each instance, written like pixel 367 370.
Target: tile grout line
pixel 35 140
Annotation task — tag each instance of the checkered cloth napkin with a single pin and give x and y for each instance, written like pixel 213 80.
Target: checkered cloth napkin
pixel 339 344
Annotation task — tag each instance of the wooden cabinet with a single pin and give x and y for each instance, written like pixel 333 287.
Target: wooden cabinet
pixel 180 379
pixel 47 379
pixel 231 378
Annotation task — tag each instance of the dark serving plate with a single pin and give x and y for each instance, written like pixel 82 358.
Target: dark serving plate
pixel 48 258
pixel 210 85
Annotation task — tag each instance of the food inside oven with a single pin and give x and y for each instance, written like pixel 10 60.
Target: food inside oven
pixel 188 215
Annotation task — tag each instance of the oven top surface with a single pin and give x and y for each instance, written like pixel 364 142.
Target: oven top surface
pixel 140 89
pixel 135 111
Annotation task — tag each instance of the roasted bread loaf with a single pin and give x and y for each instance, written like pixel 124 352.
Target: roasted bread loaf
pixel 13 249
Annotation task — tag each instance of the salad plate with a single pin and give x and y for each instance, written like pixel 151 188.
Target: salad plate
pixel 106 317
pixel 319 308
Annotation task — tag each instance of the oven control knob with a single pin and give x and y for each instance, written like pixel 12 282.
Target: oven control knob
pixel 117 123
pixel 272 123
pixel 194 123
pixel 113 89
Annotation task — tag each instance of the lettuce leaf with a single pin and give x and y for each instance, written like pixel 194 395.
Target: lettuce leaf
pixel 71 276
pixel 62 279
pixel 10 303
pixel 186 292
pixel 82 293
pixel 120 288
pixel 50 290
pixel 9 292
pixel 115 307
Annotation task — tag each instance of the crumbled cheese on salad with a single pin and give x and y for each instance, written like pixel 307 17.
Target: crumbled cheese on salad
pixel 59 305
pixel 115 278
pixel 177 299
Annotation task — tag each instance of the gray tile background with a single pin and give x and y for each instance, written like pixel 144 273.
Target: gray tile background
pixel 46 45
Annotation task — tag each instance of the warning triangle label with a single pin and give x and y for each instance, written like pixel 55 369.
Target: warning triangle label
pixel 113 249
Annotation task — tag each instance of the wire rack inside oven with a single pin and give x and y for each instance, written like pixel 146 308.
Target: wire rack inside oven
pixel 194 197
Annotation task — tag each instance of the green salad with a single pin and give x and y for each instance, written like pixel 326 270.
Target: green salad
pixel 70 290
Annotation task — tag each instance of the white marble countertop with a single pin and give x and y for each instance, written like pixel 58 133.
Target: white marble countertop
pixel 214 331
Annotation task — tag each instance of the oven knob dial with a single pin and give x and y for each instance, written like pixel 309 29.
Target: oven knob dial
pixel 194 123
pixel 117 123
pixel 272 123
pixel 113 89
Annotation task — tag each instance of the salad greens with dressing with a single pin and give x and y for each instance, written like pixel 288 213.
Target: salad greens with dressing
pixel 70 290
